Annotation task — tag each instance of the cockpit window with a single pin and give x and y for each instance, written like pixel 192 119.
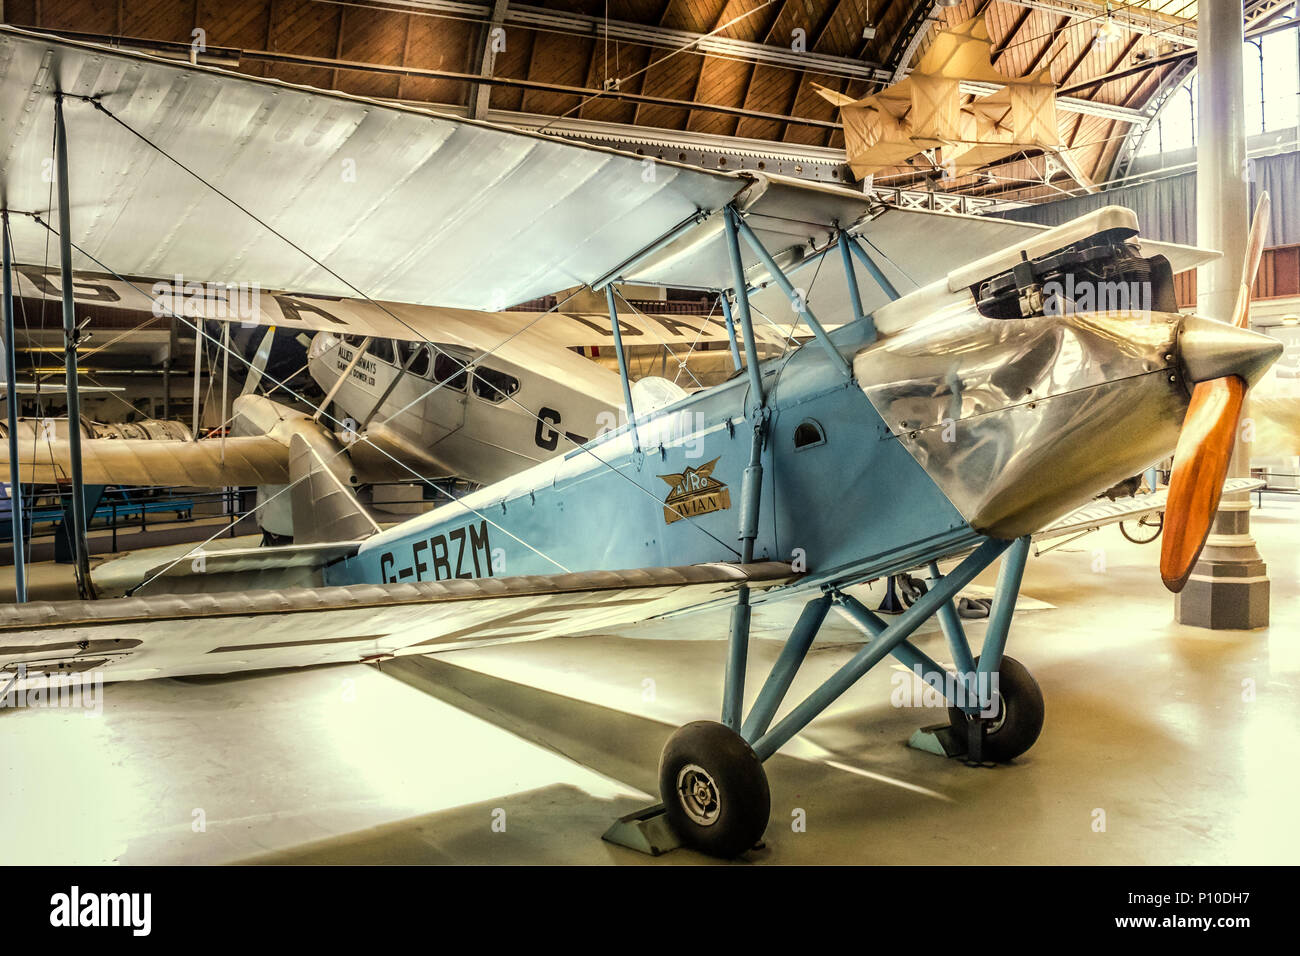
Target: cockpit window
pixel 418 356
pixel 382 350
pixel 494 386
pixel 451 370
pixel 808 434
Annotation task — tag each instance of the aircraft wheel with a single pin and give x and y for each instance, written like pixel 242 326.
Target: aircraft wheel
pixel 1144 530
pixel 1019 717
pixel 910 589
pixel 714 789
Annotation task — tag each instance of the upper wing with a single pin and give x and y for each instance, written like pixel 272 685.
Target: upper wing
pixel 401 203
pixel 914 248
pixel 172 635
pixel 246 460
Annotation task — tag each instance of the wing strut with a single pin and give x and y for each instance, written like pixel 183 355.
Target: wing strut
pixel 869 264
pixel 797 299
pixel 11 390
pixel 71 336
pixel 731 330
pixel 733 693
pixel 622 364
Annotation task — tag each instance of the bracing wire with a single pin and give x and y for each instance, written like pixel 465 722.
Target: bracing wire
pixel 98 105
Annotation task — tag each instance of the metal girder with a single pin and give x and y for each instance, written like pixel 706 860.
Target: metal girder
pixel 1139 19
pixel 296 59
pixel 1163 96
pixel 1067 104
pixel 1258 21
pixel 657 36
pixel 481 93
pixel 910 37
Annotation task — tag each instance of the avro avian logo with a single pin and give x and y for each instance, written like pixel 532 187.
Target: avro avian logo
pixel 695 492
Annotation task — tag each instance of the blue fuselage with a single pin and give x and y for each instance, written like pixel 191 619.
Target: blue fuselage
pixel 847 504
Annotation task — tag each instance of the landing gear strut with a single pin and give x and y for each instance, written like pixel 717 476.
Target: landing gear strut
pixel 715 793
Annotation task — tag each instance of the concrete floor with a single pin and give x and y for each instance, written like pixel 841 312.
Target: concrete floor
pixel 1150 731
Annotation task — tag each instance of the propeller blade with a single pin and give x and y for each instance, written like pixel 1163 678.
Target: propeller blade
pixel 258 368
pixel 1209 431
pixel 1250 266
pixel 1200 467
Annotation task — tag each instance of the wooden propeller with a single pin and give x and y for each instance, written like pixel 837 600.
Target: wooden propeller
pixel 1206 441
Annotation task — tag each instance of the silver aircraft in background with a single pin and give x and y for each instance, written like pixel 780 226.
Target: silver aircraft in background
pixel 416 392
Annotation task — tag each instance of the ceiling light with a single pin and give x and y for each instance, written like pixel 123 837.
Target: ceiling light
pixel 1108 32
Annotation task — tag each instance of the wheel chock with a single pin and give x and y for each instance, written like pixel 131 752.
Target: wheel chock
pixel 646 831
pixel 939 739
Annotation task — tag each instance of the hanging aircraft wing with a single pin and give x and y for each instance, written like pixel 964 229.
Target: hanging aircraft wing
pixel 174 635
pixel 398 202
pixel 244 460
pixel 251 306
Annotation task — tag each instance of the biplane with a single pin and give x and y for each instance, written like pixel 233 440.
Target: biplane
pixel 959 407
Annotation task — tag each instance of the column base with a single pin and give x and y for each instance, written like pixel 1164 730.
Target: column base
pixel 1225 595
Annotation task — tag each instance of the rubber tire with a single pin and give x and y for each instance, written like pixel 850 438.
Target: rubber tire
pixel 746 802
pixel 1137 540
pixel 1023 700
pixel 910 589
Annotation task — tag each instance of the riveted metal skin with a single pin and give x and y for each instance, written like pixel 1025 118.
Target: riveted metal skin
pixel 1019 421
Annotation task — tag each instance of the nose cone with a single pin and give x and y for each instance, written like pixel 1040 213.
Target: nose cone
pixel 1211 349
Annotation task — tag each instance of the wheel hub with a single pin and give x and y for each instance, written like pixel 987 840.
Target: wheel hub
pixel 999 717
pixel 698 795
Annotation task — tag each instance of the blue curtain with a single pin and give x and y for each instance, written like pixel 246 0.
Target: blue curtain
pixel 1166 209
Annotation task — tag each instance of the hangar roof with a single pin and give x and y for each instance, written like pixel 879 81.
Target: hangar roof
pixel 701 69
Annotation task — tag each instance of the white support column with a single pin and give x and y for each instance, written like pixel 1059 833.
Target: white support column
pixel 1229 586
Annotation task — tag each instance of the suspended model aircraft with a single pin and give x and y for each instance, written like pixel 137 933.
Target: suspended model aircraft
pixel 951 422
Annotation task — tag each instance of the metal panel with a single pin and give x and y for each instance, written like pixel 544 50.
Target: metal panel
pixel 1017 420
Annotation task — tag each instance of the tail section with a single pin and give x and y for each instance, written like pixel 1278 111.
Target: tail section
pixel 324 507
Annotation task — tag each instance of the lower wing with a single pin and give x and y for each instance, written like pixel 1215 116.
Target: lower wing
pixel 176 635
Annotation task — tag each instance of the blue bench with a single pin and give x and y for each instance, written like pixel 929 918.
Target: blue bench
pixel 109 510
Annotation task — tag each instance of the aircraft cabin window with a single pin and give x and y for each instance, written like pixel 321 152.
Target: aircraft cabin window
pixel 382 350
pixel 494 386
pixel 450 370
pixel 808 435
pixel 418 357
